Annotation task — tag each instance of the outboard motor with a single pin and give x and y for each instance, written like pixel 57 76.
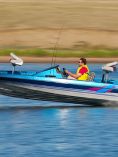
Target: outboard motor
pixel 15 61
pixel 110 67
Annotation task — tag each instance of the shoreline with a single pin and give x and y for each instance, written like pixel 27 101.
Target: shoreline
pixel 5 59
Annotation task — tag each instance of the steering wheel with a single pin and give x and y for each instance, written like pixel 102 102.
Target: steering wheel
pixel 64 73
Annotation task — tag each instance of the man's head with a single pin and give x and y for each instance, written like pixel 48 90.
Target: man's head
pixel 82 61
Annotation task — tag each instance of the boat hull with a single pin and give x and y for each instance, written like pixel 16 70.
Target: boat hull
pixel 56 93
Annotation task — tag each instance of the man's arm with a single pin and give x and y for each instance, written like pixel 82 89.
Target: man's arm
pixel 76 76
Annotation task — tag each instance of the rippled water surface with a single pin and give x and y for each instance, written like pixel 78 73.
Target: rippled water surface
pixel 37 129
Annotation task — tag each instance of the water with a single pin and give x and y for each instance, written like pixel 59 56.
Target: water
pixel 29 129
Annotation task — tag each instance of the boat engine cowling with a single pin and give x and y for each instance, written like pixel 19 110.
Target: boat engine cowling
pixel 110 67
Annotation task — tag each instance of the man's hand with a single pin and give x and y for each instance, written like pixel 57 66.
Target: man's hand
pixel 66 71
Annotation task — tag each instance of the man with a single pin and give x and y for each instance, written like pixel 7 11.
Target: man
pixel 82 71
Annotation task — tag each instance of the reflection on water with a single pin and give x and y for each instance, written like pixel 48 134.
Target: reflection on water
pixel 59 132
pixel 63 114
pixel 35 128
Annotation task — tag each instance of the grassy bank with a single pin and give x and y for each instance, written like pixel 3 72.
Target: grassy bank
pixel 61 53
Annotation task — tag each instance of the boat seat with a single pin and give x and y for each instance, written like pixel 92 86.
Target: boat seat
pixel 91 76
pixel 15 61
pixel 108 68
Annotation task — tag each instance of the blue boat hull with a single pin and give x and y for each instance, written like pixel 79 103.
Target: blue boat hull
pixel 24 92
pixel 48 85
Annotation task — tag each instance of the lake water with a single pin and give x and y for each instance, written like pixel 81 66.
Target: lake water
pixel 29 129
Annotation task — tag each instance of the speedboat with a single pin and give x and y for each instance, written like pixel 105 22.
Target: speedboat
pixel 52 84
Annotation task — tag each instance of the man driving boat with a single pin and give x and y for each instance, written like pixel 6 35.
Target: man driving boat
pixel 82 71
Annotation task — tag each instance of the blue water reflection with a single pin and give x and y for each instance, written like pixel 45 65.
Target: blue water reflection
pixel 59 132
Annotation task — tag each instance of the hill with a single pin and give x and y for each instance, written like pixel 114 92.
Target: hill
pixel 77 23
